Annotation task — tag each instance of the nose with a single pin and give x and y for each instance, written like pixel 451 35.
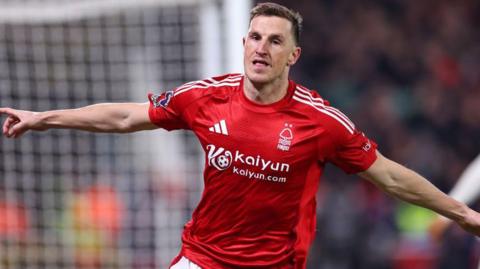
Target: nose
pixel 261 48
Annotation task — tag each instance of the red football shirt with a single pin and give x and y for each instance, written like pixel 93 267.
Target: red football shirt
pixel 262 169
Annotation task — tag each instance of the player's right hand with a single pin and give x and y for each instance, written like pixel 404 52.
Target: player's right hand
pixel 19 121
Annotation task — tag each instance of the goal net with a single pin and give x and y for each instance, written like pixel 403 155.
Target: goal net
pixel 71 199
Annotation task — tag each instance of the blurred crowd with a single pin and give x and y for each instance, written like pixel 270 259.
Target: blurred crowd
pixel 408 74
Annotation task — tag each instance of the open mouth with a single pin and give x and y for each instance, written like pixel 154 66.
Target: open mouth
pixel 260 62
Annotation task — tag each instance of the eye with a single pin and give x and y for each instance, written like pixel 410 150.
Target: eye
pixel 255 36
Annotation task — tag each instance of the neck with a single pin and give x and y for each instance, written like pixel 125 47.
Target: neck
pixel 265 93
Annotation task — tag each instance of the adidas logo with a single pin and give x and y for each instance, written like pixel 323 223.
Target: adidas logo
pixel 219 128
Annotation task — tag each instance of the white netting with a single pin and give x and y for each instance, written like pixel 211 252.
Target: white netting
pixel 71 199
pixel 19 11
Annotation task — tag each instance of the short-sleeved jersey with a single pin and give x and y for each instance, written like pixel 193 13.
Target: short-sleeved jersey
pixel 262 169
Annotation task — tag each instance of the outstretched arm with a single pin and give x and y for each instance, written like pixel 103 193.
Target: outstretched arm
pixel 106 117
pixel 409 186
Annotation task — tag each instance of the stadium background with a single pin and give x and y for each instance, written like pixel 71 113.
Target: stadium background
pixel 406 72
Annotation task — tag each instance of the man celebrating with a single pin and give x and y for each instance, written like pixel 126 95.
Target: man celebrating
pixel 266 141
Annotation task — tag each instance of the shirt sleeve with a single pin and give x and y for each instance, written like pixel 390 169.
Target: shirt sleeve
pixel 350 149
pixel 354 152
pixel 166 112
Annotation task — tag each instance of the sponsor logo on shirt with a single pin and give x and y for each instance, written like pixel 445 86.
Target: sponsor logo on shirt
pixel 222 159
pixel 219 157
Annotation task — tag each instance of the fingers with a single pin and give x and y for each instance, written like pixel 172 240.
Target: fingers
pixel 17 130
pixel 7 125
pixel 11 119
pixel 13 126
pixel 7 110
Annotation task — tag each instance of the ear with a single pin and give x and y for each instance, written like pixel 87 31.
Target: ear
pixel 293 58
pixel 243 41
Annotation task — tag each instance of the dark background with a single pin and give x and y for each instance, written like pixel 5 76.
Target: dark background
pixel 407 73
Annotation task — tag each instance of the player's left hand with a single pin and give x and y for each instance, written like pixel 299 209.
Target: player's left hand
pixel 471 222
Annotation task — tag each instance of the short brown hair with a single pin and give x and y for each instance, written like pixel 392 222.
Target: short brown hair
pixel 273 9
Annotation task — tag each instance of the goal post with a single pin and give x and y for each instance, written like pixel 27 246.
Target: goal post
pixel 71 199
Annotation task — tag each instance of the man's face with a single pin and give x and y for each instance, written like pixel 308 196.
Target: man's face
pixel 269 49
